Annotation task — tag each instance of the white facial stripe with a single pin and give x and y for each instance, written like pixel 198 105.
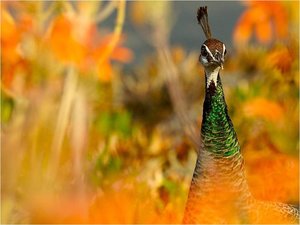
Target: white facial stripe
pixel 223 55
pixel 211 55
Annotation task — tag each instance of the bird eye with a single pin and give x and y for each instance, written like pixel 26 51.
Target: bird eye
pixel 203 51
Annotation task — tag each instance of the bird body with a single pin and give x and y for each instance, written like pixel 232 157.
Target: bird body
pixel 219 192
pixel 218 182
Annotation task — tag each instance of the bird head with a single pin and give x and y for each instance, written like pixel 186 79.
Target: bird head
pixel 212 54
pixel 213 51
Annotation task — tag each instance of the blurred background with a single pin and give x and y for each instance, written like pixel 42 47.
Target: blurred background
pixel 101 105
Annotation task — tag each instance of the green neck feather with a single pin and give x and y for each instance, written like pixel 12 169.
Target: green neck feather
pixel 217 131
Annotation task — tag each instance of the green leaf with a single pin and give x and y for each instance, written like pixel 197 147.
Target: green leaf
pixel 7 106
pixel 123 123
pixel 104 123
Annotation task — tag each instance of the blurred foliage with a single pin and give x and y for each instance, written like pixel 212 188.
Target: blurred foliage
pixel 84 141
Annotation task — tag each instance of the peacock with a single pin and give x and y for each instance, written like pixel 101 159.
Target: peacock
pixel 219 192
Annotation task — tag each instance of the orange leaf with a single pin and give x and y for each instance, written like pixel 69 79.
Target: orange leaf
pixel 10 38
pixel 8 25
pixel 263 108
pixel 242 32
pixel 103 44
pixel 62 42
pixel 281 59
pixel 264 31
pixel 273 176
pixel 130 208
pixel 122 54
pixel 259 17
pixel 105 72
pixel 280 20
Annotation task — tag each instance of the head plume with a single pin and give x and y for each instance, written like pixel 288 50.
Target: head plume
pixel 202 17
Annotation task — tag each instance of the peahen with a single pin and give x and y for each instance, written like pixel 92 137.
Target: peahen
pixel 219 192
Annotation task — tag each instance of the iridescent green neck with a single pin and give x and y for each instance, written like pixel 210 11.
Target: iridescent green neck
pixel 217 131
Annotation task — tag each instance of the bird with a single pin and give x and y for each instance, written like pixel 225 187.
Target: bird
pixel 219 192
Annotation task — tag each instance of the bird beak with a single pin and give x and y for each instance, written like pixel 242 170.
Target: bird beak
pixel 219 59
pixel 219 62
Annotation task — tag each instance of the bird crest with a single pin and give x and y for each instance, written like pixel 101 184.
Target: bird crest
pixel 212 51
pixel 202 17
